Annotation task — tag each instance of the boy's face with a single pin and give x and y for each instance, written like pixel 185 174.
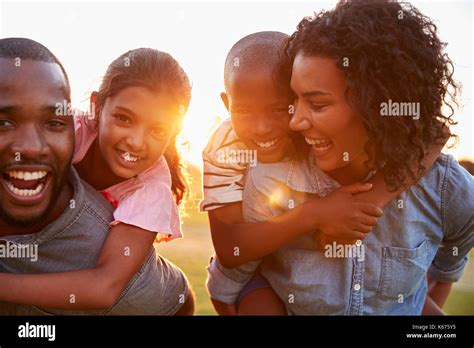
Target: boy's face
pixel 260 113
pixel 36 144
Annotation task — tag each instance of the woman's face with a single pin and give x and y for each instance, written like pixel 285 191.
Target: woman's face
pixel 335 132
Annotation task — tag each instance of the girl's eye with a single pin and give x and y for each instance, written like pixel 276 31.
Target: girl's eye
pixel 122 118
pixel 159 132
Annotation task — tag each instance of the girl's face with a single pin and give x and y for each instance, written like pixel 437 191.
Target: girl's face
pixel 335 132
pixel 135 126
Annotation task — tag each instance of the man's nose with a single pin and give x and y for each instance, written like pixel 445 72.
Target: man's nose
pixel 30 143
pixel 299 121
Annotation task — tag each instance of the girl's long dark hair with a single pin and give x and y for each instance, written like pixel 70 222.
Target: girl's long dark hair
pixel 159 72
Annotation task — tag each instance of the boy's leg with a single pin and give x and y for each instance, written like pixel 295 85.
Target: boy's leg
pixel 261 302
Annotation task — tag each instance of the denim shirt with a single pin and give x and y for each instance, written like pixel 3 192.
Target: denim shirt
pixel 74 241
pixel 429 228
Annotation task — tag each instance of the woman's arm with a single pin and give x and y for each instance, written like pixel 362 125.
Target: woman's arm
pixel 438 293
pixel 236 242
pixel 122 255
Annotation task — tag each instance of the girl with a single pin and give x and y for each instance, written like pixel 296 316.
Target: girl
pixel 128 153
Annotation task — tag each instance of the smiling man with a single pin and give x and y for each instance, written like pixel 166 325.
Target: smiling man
pixel 43 202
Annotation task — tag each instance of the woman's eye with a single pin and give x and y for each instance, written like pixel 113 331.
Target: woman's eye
pixel 318 107
pixel 122 118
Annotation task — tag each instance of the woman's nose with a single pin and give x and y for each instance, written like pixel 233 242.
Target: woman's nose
pixel 299 121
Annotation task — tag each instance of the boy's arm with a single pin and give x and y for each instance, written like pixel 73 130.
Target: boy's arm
pixel 237 243
pixel 122 255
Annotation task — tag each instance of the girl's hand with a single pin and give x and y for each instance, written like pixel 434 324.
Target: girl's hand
pixel 342 216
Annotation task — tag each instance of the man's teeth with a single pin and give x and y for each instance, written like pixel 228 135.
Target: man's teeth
pixel 27 176
pixel 318 142
pixel 266 144
pixel 25 192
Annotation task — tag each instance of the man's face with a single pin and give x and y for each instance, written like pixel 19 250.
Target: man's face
pixel 260 113
pixel 36 144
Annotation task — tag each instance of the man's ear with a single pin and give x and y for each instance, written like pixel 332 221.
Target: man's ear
pixel 225 100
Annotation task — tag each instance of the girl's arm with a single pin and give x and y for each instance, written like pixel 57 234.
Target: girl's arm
pixel 339 210
pixel 122 255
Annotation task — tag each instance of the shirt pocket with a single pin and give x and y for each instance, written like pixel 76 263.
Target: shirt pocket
pixel 403 270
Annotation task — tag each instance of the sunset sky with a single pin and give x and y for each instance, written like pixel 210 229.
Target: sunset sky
pixel 86 37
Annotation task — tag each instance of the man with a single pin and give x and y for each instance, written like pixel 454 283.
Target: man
pixel 44 205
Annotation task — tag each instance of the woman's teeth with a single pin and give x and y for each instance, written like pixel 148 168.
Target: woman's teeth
pixel 27 176
pixel 318 142
pixel 267 144
pixel 25 192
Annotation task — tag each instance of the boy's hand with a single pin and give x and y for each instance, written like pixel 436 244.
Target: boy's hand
pixel 342 216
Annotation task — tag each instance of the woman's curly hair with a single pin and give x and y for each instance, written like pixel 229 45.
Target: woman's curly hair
pixel 393 53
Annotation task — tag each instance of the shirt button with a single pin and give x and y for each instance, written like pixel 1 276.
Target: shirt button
pixel 357 287
pixel 358 242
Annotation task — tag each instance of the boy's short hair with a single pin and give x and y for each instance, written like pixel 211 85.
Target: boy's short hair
pixel 254 51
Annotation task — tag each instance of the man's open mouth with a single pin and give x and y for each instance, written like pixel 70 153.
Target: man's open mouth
pixel 26 183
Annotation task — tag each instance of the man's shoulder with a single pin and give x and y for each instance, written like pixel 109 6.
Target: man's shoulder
pixel 96 205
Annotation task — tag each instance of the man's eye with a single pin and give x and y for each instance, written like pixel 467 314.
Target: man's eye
pixel 55 124
pixel 6 123
pixel 122 118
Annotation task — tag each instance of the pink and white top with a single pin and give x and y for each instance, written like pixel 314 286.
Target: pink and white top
pixel 146 200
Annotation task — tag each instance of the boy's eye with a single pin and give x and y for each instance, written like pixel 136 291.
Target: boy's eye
pixel 281 109
pixel 241 111
pixel 122 118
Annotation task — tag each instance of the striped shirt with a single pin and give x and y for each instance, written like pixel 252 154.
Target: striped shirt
pixel 223 171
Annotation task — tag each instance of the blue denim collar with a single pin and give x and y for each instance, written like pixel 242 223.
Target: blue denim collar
pixel 305 176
